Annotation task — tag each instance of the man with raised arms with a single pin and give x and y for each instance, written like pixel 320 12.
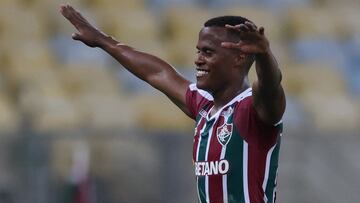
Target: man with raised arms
pixel 238 125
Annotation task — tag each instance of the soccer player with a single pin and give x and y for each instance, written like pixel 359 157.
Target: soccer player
pixel 238 126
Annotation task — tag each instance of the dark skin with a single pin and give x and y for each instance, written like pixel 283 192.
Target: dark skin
pixel 222 65
pixel 225 78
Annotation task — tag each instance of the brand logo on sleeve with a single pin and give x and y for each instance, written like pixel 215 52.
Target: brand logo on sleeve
pixel 203 113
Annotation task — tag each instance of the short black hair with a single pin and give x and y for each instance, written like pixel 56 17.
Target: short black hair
pixel 221 21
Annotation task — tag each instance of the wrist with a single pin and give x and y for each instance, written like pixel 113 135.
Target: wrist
pixel 264 48
pixel 264 54
pixel 107 42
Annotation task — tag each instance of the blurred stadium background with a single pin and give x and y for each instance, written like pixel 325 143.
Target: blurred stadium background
pixel 74 127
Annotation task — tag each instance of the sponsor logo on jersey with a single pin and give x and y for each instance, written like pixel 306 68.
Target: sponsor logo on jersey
pixel 223 133
pixel 208 168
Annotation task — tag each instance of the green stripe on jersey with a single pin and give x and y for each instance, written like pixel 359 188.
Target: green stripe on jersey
pixel 202 155
pixel 204 140
pixel 234 154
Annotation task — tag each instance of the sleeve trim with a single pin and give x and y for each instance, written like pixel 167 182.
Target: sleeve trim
pixel 203 93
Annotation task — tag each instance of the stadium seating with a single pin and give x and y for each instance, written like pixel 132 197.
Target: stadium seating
pixel 83 99
pixel 52 78
pixel 182 25
pixel 10 119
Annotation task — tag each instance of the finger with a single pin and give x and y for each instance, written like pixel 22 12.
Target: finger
pixel 232 27
pixel 262 30
pixel 63 11
pixel 66 12
pixel 231 45
pixel 70 14
pixel 251 26
pixel 62 7
pixel 244 28
pixel 74 11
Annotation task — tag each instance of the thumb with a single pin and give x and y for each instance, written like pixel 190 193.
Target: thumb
pixel 76 36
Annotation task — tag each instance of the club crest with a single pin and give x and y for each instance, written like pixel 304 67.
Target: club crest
pixel 224 133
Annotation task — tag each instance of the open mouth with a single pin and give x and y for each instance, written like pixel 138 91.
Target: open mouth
pixel 201 72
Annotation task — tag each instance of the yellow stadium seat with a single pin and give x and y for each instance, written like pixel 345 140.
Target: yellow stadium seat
pixel 57 114
pixel 36 59
pixel 270 20
pixel 183 25
pixel 314 22
pixel 9 115
pixel 136 27
pixel 156 112
pixel 106 112
pixel 21 24
pixel 341 4
pixel 120 5
pixel 323 92
pixel 321 79
pixel 348 17
pixel 82 78
pixel 332 112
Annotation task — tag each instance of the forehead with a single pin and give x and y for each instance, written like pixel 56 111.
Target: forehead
pixel 213 35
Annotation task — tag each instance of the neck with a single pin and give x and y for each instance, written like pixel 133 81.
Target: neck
pixel 224 96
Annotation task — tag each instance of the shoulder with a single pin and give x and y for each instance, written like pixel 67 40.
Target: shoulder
pixel 201 94
pixel 196 99
pixel 251 127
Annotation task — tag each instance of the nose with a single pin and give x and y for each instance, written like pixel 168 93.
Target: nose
pixel 199 60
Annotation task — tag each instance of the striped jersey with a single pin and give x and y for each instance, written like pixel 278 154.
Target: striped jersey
pixel 235 154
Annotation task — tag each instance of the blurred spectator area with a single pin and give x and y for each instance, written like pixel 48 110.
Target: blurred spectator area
pixel 52 85
pixel 55 83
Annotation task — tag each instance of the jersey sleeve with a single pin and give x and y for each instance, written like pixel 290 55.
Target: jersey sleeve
pixel 252 128
pixel 196 99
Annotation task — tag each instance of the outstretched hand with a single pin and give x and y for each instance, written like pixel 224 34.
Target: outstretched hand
pixel 253 40
pixel 87 33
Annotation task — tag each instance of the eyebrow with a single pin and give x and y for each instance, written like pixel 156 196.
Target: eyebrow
pixel 205 48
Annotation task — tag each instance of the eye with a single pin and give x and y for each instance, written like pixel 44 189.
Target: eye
pixel 205 51
pixel 208 52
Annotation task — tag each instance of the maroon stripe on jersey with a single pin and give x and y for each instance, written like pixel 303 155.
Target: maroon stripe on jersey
pixel 256 171
pixel 260 138
pixel 215 181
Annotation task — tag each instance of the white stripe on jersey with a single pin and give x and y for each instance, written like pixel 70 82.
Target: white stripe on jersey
pixel 206 158
pixel 267 168
pixel 199 141
pixel 224 177
pixel 245 172
pixel 203 93
pixel 241 96
pixel 197 157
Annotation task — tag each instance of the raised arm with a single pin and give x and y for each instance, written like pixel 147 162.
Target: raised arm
pixel 268 94
pixel 149 68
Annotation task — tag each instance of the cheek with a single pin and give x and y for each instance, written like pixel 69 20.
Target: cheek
pixel 220 66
